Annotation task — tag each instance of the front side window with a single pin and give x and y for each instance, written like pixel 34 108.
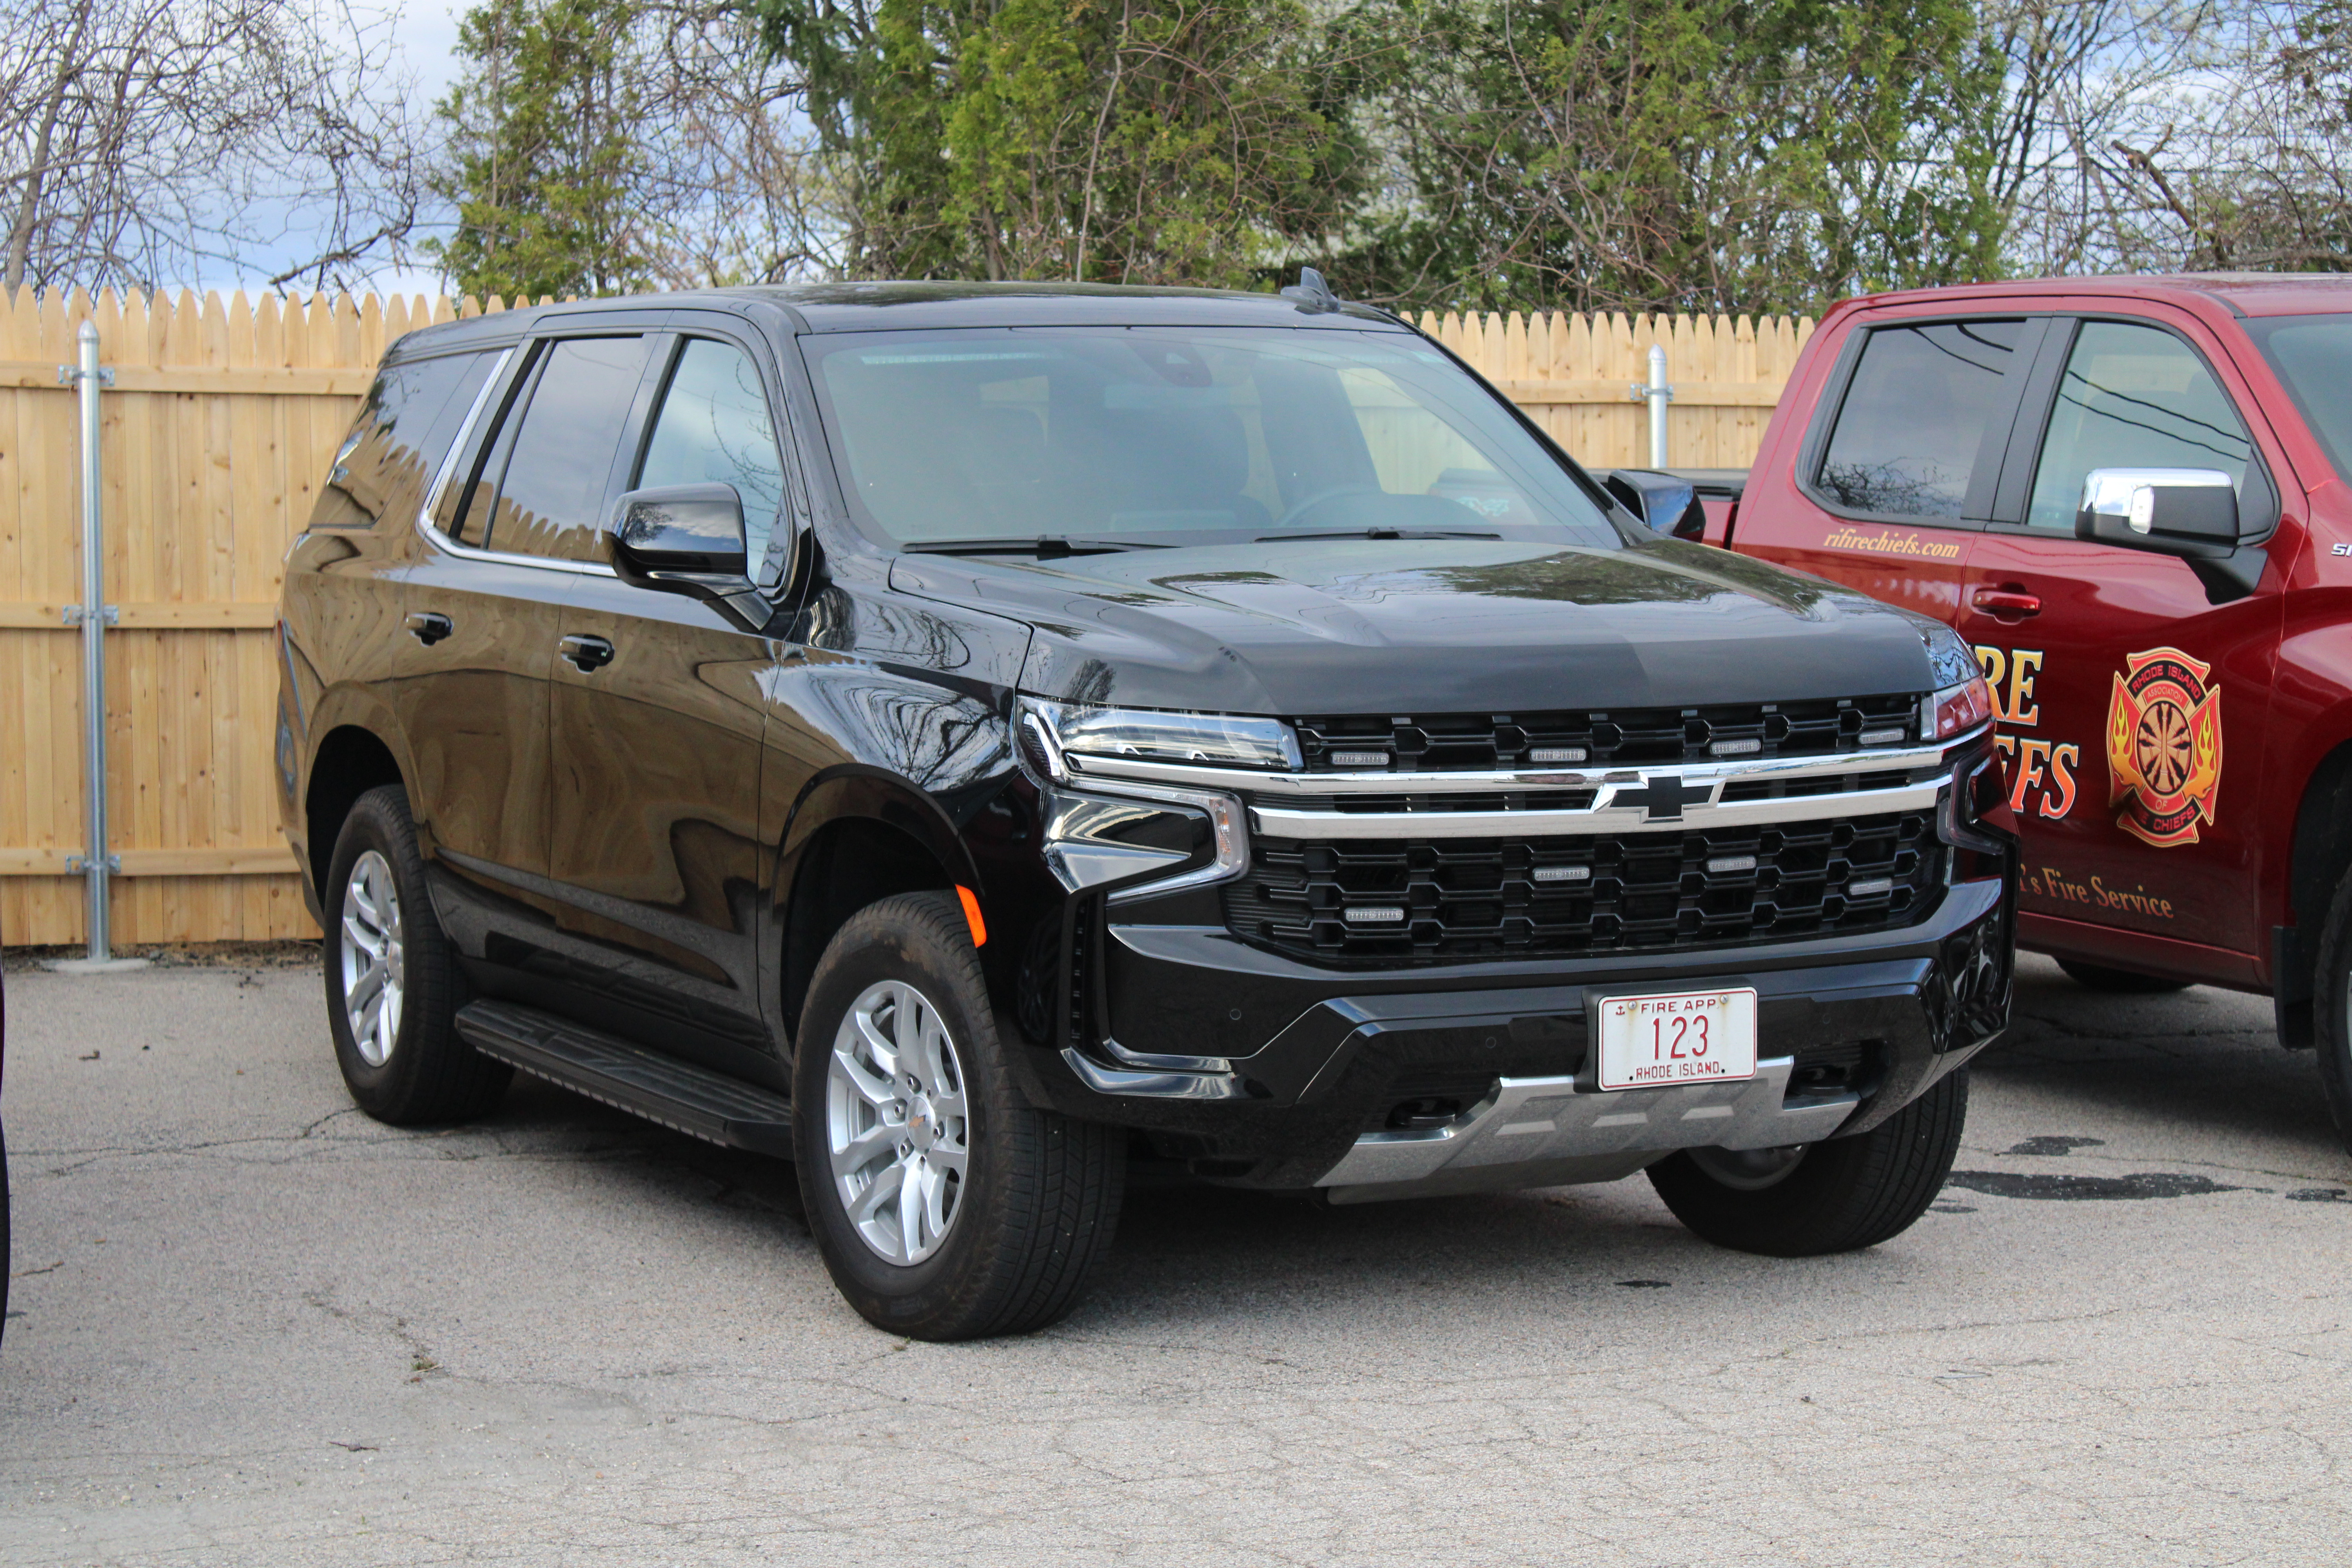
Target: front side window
pixel 547 474
pixel 714 429
pixel 2132 397
pixel 1913 417
pixel 1175 436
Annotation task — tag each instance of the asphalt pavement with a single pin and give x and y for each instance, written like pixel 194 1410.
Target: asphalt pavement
pixel 250 1326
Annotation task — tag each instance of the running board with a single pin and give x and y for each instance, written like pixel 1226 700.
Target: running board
pixel 682 1097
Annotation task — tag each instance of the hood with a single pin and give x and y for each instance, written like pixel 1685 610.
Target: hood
pixel 1400 627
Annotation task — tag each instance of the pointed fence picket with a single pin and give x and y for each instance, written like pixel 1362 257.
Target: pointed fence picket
pixel 220 422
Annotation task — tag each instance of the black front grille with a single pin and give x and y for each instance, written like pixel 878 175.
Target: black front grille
pixel 1466 742
pixel 1500 898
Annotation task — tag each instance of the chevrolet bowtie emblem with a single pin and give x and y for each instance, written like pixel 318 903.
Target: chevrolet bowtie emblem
pixel 1664 796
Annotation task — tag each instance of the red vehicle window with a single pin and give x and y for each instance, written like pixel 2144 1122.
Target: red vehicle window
pixel 1913 421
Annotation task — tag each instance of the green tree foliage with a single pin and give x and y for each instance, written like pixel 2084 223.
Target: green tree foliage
pixel 542 151
pixel 1677 154
pixel 1107 141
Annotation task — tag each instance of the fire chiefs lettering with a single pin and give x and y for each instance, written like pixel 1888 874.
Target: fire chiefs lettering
pixel 2164 747
pixel 2041 773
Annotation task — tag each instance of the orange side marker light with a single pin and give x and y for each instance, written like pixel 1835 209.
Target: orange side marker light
pixel 971 915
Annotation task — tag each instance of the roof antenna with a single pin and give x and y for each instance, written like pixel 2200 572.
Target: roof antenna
pixel 1313 294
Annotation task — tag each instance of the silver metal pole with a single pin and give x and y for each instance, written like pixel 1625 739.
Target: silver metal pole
pixel 93 614
pixel 1659 395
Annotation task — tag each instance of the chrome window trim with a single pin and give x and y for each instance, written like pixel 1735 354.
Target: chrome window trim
pixel 1097 772
pixel 448 547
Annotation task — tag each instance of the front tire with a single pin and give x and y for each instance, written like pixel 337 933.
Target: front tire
pixel 945 1207
pixel 2331 982
pixel 1838 1197
pixel 393 985
pixel 2120 982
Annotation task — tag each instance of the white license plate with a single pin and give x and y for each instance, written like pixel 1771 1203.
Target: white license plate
pixel 1691 1036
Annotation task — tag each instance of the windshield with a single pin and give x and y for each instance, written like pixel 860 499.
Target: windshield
pixel 2313 354
pixel 1106 436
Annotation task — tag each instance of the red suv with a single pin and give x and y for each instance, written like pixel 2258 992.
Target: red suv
pixel 2127 494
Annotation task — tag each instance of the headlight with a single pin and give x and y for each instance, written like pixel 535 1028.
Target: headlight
pixel 1963 697
pixel 1955 709
pixel 1044 731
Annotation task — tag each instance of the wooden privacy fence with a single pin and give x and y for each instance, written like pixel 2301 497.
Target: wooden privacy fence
pixel 221 420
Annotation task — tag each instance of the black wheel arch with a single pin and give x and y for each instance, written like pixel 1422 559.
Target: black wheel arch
pixel 351 760
pixel 858 835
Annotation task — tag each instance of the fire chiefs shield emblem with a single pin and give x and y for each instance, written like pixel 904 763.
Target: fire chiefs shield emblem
pixel 2164 747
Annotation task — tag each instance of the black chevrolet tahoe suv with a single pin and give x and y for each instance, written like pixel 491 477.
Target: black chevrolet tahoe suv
pixel 960 738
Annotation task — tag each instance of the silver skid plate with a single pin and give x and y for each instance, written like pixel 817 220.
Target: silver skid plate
pixel 1541 1131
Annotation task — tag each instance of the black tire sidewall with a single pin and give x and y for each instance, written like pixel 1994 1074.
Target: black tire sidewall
pixel 1846 1194
pixel 899 938
pixel 2331 977
pixel 397 1091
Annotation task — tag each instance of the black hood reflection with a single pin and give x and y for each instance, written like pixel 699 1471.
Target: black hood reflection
pixel 1437 626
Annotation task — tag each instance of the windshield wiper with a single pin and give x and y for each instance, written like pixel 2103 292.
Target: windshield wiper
pixel 1045 546
pixel 1381 533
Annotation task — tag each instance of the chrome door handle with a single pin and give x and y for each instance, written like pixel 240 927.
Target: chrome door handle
pixel 587 653
pixel 429 626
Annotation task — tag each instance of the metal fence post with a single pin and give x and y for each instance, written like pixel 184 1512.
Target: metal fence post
pixel 1657 395
pixel 93 616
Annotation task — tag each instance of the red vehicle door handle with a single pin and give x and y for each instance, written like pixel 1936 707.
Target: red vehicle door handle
pixel 2006 602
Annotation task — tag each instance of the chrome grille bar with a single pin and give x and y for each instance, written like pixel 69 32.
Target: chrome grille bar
pixel 1267 786
pixel 1280 822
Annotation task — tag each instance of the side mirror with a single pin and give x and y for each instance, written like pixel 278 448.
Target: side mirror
pixel 2189 513
pixel 686 539
pixel 1666 504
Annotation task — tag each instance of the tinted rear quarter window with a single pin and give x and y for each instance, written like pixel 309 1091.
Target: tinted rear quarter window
pixel 1913 417
pixel 404 427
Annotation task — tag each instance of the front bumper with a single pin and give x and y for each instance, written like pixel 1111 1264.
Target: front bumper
pixel 1262 1070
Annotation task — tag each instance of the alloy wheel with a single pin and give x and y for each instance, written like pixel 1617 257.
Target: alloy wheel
pixel 896 1124
pixel 375 977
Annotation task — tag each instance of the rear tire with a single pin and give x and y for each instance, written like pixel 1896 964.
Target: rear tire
pixel 1844 1195
pixel 899 1084
pixel 2121 981
pixel 402 1057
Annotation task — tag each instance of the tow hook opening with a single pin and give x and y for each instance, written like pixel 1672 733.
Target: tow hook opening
pixel 1423 1113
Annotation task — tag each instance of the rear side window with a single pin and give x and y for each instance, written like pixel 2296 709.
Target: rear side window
pixel 1913 422
pixel 411 415
pixel 549 472
pixel 714 427
pixel 2133 397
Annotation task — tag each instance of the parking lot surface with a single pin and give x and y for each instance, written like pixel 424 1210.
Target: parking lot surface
pixel 249 1325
